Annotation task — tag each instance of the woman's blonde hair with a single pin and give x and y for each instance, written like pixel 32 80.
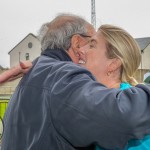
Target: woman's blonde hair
pixel 120 44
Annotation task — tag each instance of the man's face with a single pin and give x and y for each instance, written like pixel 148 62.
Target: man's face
pixel 78 41
pixel 96 60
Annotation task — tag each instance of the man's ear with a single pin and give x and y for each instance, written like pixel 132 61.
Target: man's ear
pixel 77 48
pixel 73 51
pixel 75 44
pixel 114 64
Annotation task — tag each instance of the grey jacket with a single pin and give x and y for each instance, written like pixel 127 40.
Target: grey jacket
pixel 58 105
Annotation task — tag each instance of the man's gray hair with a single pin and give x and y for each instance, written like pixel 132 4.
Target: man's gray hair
pixel 57 33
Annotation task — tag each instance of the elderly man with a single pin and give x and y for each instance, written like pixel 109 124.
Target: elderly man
pixel 58 105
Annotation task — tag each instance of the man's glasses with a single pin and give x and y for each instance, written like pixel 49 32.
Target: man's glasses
pixel 84 35
pixel 81 34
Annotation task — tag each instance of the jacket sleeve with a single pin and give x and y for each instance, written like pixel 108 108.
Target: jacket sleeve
pixel 85 112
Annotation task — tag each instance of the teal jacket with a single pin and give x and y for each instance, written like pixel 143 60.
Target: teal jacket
pixel 143 144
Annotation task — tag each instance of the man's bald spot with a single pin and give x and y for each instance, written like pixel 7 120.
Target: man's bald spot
pixel 63 19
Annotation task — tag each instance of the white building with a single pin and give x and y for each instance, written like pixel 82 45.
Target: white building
pixel 27 49
pixel 144 44
pixel 144 67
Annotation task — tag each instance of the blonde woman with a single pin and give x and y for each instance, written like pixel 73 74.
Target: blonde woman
pixel 116 57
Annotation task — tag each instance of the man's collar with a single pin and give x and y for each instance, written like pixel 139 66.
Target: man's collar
pixel 57 54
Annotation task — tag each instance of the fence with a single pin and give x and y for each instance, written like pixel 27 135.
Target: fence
pixel 3 105
pixel 6 90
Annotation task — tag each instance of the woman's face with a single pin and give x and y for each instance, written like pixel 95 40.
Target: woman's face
pixel 96 59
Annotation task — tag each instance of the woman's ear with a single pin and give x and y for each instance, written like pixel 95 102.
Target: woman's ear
pixel 114 64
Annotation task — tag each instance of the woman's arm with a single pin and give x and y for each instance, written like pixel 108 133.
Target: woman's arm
pixel 15 72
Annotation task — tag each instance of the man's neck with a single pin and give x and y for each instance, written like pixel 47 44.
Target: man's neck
pixel 59 54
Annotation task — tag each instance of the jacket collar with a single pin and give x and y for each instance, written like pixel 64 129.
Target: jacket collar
pixel 59 54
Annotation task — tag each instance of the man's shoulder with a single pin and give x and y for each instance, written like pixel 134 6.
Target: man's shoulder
pixel 46 70
pixel 60 65
pixel 73 69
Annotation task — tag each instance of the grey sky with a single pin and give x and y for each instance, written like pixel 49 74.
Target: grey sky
pixel 21 17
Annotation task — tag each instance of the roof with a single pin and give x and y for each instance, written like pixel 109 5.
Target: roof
pixel 23 40
pixel 143 42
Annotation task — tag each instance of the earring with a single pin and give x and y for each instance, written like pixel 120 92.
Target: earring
pixel 108 73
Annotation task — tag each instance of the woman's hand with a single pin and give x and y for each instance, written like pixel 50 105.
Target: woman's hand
pixel 15 72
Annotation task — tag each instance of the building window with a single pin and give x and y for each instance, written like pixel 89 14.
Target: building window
pixel 30 45
pixel 27 56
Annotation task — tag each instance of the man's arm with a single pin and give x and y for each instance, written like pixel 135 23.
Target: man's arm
pixel 85 111
pixel 15 72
